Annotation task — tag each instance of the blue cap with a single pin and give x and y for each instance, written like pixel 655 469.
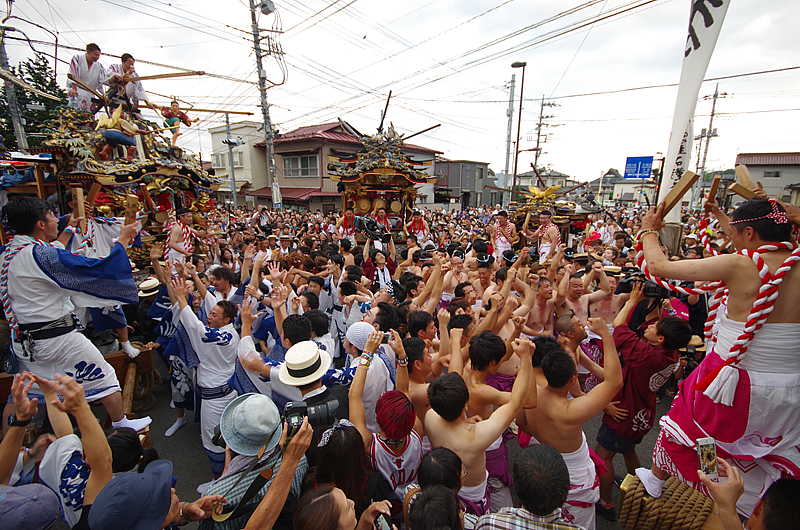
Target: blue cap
pixel 135 501
pixel 32 506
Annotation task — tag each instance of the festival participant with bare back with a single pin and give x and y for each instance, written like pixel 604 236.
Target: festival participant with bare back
pixel 744 392
pixel 558 421
pixel 345 228
pixel 548 235
pixel 446 425
pixel 571 288
pixel 180 243
pixel 503 233
pixel 418 227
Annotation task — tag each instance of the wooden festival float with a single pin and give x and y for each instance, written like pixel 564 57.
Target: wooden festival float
pixel 159 176
pixel 380 176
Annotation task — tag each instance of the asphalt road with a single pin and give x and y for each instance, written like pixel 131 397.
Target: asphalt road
pixel 191 466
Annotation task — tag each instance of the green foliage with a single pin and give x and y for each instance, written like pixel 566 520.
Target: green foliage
pixel 36 72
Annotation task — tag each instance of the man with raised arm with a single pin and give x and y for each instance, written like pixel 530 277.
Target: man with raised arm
pixel 558 421
pixel 40 285
pixel 571 288
pixel 746 399
pixel 446 425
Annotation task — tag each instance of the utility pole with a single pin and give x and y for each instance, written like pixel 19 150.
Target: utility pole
pixel 266 8
pixel 231 142
pixel 708 134
pixel 11 95
pixel 510 114
pixel 539 125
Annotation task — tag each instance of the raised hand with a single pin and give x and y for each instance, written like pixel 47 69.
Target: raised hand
pixel 524 348
pixel 443 316
pixel 519 323
pixel 156 250
pixel 26 408
pixel 72 392
pixel 179 288
pixel 374 341
pixel 598 325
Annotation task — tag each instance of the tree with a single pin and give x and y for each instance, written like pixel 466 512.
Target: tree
pixel 36 72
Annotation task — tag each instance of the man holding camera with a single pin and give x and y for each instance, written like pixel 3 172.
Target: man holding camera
pixel 305 364
pixel 649 363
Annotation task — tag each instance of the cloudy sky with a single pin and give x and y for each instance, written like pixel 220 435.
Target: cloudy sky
pixel 449 62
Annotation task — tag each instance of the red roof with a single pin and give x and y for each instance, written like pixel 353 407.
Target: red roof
pixel 768 159
pixel 325 132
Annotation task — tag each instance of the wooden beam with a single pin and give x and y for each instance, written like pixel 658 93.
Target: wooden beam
pixel 742 191
pixel 11 78
pixel 86 87
pixel 163 76
pixel 712 193
pixel 218 111
pixel 538 176
pixel 93 191
pixel 131 207
pixel 78 206
pixel 148 201
pixel 743 174
pixel 130 385
pixel 573 188
pixel 679 190
pixel 39 175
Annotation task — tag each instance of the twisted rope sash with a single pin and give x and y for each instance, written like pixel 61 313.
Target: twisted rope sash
pixel 720 384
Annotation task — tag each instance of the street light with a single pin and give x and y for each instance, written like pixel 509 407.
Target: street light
pixel 519 124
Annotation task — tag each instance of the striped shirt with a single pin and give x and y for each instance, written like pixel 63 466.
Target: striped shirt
pixel 521 519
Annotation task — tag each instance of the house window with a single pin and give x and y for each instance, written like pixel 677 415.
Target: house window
pixel 238 159
pixel 220 161
pixel 772 174
pixel 493 197
pixel 480 173
pixel 300 166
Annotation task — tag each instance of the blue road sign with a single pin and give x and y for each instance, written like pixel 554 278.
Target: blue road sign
pixel 639 167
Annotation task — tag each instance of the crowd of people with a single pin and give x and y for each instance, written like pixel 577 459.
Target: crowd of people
pixel 344 381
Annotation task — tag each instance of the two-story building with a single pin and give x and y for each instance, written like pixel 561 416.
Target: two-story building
pixel 249 162
pixel 464 182
pixel 550 177
pixel 301 164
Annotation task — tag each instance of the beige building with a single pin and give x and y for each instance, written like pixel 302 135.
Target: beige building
pixel 249 162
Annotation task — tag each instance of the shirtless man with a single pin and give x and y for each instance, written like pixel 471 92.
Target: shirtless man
pixel 454 276
pixel 484 279
pixel 547 234
pixel 487 353
pixel 503 234
pixel 540 318
pixel 558 422
pixel 447 426
pixel 571 288
pixel 344 228
pixel 735 411
pixel 609 307
pixel 181 237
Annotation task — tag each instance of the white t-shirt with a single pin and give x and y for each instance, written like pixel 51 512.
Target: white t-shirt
pixel 64 471
pixel 399 470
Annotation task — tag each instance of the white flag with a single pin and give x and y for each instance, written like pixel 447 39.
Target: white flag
pixel 705 22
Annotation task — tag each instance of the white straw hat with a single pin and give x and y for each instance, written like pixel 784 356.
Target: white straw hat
pixel 304 363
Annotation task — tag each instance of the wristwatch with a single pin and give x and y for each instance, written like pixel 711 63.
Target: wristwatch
pixel 14 422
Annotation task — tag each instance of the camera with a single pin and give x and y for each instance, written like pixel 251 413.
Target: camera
pixel 318 415
pixel 386 336
pixel 372 229
pixel 651 288
pixel 217 439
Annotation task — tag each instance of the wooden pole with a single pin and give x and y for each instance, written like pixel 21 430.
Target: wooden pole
pixel 712 193
pixel 78 206
pixel 192 109
pixel 742 191
pixel 93 191
pixel 130 385
pixel 132 206
pixel 148 201
pixel 743 174
pixel 162 76
pixel 679 190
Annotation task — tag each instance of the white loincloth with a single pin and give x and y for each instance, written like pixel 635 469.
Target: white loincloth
pixel 584 489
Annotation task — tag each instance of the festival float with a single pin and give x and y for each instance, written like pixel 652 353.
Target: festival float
pixel 380 176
